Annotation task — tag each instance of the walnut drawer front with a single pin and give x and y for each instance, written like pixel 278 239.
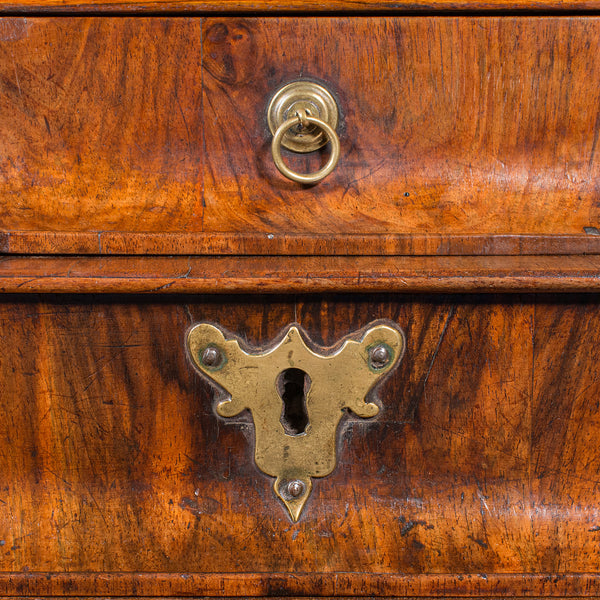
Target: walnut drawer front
pixel 483 459
pixel 149 134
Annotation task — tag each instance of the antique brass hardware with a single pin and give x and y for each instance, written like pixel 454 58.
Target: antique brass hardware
pixel 303 117
pixel 296 395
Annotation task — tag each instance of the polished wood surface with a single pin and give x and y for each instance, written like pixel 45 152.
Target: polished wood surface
pixel 296 586
pixel 480 474
pixel 294 244
pixel 211 275
pixel 100 123
pixel 157 126
pixel 285 6
pixel 134 160
pixel 454 125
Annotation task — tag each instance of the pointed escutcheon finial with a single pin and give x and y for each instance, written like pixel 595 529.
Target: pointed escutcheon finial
pixel 296 395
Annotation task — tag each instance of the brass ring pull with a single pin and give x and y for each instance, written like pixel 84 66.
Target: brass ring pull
pixel 309 177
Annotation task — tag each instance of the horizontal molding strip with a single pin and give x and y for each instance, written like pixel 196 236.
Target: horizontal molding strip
pixel 295 597
pixel 206 275
pixel 271 244
pixel 299 584
pixel 287 6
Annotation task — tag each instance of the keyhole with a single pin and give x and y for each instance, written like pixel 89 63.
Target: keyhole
pixel 293 385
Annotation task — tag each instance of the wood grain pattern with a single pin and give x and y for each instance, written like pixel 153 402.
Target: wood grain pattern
pixel 119 450
pixel 285 6
pixel 146 135
pixel 100 123
pixel 525 580
pixel 83 151
pixel 290 244
pixel 211 275
pixel 450 125
pixel 566 456
pixel 118 476
pixel 298 585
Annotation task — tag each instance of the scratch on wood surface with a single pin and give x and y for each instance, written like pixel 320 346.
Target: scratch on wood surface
pixel 168 285
pixel 17 79
pixel 440 340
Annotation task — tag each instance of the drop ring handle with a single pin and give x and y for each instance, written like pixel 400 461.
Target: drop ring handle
pixel 303 119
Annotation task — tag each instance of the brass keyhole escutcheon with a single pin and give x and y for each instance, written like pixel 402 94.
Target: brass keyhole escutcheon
pixel 297 395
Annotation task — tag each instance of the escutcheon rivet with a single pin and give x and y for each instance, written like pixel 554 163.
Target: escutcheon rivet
pixel 295 488
pixel 379 357
pixel 211 356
